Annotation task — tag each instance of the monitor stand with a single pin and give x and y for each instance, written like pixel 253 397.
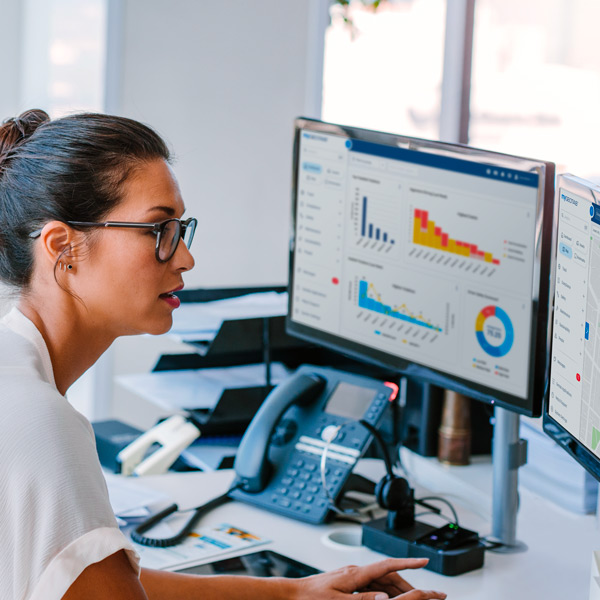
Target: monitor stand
pixel 509 453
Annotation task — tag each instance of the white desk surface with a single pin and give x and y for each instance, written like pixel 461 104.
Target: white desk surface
pixel 556 564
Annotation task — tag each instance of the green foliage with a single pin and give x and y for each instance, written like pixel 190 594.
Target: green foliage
pixel 345 4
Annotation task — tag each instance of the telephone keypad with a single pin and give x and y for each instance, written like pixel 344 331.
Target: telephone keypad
pixel 304 492
pixel 296 488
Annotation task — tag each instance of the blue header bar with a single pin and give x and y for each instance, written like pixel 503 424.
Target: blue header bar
pixel 446 163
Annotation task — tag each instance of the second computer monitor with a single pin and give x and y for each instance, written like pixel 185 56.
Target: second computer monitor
pixel 572 415
pixel 426 257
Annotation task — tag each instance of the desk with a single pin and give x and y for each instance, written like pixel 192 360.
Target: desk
pixel 556 565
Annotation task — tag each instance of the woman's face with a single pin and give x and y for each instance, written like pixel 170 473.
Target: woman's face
pixel 124 288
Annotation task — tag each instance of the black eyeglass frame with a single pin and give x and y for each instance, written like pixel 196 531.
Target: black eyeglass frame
pixel 157 229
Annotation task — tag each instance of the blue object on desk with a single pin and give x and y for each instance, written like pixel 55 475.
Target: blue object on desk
pixel 111 437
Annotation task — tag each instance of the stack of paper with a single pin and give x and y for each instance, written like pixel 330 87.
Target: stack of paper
pixel 130 500
pixel 198 388
pixel 202 545
pixel 200 321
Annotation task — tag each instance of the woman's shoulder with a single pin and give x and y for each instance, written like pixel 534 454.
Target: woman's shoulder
pixel 17 353
pixel 34 415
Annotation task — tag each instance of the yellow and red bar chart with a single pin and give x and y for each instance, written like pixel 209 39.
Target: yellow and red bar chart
pixel 427 233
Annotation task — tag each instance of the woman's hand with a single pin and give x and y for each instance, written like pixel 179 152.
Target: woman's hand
pixel 377 581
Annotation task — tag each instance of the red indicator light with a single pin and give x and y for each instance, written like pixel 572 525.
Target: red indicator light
pixel 335 280
pixel 394 389
pixel 578 377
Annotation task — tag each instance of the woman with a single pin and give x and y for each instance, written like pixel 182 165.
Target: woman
pixel 90 238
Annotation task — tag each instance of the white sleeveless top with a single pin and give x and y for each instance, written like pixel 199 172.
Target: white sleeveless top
pixel 55 516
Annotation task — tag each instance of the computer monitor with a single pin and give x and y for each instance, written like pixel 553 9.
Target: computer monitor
pixel 426 257
pixel 572 409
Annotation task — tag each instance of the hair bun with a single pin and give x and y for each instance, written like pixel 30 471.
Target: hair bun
pixel 13 132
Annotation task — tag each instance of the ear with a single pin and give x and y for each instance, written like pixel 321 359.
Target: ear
pixel 59 242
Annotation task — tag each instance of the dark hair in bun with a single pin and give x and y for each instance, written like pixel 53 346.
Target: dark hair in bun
pixel 13 132
pixel 69 169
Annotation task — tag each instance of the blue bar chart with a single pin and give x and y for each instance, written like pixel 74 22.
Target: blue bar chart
pixel 369 299
pixel 370 230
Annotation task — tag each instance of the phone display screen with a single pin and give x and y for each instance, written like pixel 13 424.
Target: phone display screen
pixel 258 564
pixel 350 401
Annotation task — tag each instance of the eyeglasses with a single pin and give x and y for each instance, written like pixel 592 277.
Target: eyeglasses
pixel 168 233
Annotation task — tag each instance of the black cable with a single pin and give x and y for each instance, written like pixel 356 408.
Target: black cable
pixel 137 533
pixel 388 466
pixel 434 512
pixel 397 415
pixel 382 447
pixel 439 499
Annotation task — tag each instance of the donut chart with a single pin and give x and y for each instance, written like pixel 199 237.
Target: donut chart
pixel 509 333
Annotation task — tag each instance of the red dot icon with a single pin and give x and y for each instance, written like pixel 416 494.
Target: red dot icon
pixel 335 280
pixel 578 377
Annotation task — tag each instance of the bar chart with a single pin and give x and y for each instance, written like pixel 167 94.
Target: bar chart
pixel 369 299
pixel 427 233
pixel 369 229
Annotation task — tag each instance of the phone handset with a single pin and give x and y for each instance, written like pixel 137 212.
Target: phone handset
pixel 251 464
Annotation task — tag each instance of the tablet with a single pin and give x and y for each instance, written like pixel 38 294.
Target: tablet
pixel 265 563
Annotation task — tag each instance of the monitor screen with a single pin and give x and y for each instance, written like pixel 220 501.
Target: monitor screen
pixel 425 257
pixel 572 415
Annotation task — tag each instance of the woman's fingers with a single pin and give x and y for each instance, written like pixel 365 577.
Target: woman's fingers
pixel 376 571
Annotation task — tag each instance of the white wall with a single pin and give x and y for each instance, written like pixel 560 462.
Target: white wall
pixel 222 82
pixel 10 51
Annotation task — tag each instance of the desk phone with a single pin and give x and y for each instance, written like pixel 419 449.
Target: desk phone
pixel 278 460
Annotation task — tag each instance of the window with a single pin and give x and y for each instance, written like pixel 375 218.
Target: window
pixel 64 47
pixel 385 71
pixel 536 81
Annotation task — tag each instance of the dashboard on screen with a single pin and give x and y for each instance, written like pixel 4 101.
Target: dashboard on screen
pixel 422 256
pixel 573 406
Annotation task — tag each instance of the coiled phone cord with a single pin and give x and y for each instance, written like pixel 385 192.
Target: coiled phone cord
pixel 137 533
pixel 352 512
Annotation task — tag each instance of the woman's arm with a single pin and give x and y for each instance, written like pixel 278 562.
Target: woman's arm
pixel 162 585
pixel 373 582
pixel 114 579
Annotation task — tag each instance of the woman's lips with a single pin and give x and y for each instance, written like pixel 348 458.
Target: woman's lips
pixel 171 299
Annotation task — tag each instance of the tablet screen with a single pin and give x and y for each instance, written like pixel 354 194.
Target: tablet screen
pixel 258 564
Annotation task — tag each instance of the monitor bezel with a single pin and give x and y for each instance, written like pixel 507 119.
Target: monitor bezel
pixel 540 331
pixel 565 439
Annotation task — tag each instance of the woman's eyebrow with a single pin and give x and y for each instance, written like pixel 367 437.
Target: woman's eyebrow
pixel 167 209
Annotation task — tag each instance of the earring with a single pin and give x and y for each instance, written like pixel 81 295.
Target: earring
pixel 62 267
